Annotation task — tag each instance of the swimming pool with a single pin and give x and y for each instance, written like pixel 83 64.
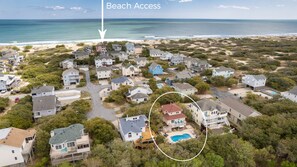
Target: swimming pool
pixel 177 138
pixel 271 92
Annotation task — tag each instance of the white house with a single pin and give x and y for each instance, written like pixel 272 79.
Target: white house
pixel 139 94
pixel 68 63
pixel 103 60
pixel 44 106
pixel 237 111
pixel 291 94
pixel 103 72
pixel 43 91
pixel 117 82
pixel 223 71
pixel 130 48
pixel 141 61
pixel 69 144
pixel 11 57
pixel 7 82
pixel 166 56
pixel 70 77
pixel 215 116
pixel 131 128
pixel 16 146
pixel 156 53
pixel 184 88
pixel 130 70
pixel 254 81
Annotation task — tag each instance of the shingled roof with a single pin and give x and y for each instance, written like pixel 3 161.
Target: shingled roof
pixel 70 133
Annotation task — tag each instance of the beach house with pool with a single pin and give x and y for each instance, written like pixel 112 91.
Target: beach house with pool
pixel 155 69
pixel 173 116
pixel 254 81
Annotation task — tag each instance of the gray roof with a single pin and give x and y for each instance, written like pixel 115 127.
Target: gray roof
pixel 209 105
pixel 154 65
pixel 81 53
pixel 71 70
pixel 184 75
pixel 222 68
pixel 133 125
pixel 42 89
pixel 183 86
pixel 139 96
pixel 103 56
pixel 140 59
pixel 156 51
pixel 68 134
pixel 258 77
pixel 238 106
pixel 293 91
pixel 44 103
pixel 103 68
pixel 119 80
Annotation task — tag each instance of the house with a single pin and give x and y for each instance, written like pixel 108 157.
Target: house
pixel 146 139
pixel 81 55
pixel 88 49
pixel 180 76
pixel 7 82
pixel 177 59
pixel 156 53
pixel 130 48
pixel 138 49
pixel 196 64
pixel 103 72
pixel 166 56
pixel 131 128
pixel 43 91
pixel 16 146
pixel 69 144
pixel 130 70
pixel 103 60
pixel 223 71
pixel 117 82
pixel 101 48
pixel 184 88
pixel 254 81
pixel 155 69
pixel 70 77
pixel 4 68
pixel 291 94
pixel 237 111
pixel 173 116
pixel 122 56
pixel 209 114
pixel 139 94
pixel 11 57
pixel 116 47
pixel 68 63
pixel 141 61
pixel 45 106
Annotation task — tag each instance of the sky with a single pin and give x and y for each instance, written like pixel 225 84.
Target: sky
pixel 204 9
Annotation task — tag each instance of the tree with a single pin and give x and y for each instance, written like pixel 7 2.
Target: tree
pixel 82 106
pixel 153 84
pixel 42 145
pixel 202 87
pixel 3 103
pixel 100 130
pixel 280 83
pixel 213 160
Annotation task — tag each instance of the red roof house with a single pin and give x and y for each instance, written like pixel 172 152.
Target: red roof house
pixel 173 116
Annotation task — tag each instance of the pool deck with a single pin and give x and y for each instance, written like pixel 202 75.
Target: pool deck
pixel 189 130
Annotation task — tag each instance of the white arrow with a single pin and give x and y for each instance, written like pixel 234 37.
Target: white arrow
pixel 102 31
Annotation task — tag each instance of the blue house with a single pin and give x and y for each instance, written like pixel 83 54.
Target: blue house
pixel 155 69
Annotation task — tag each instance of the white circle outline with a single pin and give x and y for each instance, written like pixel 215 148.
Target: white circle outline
pixel 149 121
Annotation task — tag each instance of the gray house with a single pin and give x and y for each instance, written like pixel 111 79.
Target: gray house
pixel 71 77
pixel 116 47
pixel 44 106
pixel 81 54
pixel 177 59
pixel 43 91
pixel 131 128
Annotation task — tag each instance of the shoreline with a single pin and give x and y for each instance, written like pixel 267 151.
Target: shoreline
pixel 146 38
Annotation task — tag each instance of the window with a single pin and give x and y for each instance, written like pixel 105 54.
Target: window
pixel 72 144
pixel 16 158
pixel 129 135
pixel 12 151
pixel 58 147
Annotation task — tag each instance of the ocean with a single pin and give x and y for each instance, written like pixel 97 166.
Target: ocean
pixel 57 31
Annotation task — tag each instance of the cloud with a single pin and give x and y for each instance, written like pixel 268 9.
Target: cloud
pixel 55 7
pixel 233 7
pixel 76 8
pixel 280 5
pixel 183 1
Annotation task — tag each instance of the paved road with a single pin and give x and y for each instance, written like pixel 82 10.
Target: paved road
pixel 97 109
pixel 220 94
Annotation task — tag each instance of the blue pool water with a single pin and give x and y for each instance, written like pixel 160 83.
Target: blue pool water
pixel 177 138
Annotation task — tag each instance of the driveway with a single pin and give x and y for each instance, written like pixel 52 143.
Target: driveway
pixel 97 106
pixel 220 94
